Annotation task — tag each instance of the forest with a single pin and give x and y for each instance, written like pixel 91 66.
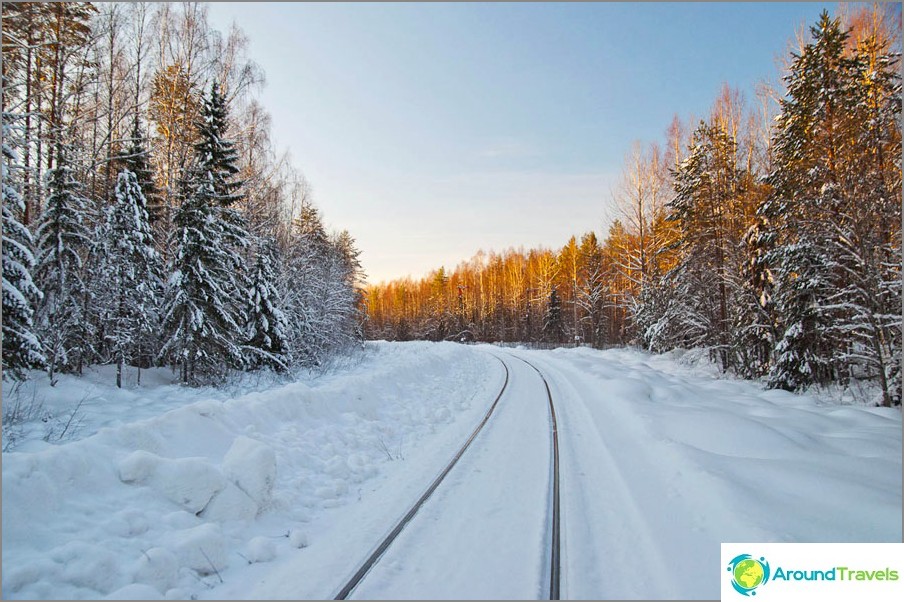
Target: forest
pixel 148 218
pixel 768 233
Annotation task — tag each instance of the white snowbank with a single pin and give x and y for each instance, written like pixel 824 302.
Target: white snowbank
pixel 168 497
pixel 283 489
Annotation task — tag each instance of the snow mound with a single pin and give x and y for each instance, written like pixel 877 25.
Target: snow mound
pixel 189 482
pixel 251 465
pixel 157 567
pixel 260 549
pixel 169 487
pixel 203 549
pixel 135 591
pixel 298 539
pixel 231 503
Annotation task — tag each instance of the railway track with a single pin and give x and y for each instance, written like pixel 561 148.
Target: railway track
pixel 381 548
pixel 554 531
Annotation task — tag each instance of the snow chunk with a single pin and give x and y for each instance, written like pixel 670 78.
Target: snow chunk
pixel 129 523
pixel 158 567
pixel 135 591
pixel 189 482
pixel 90 566
pixel 298 539
pixel 203 549
pixel 260 549
pixel 180 519
pixel 230 504
pixel 138 467
pixel 251 465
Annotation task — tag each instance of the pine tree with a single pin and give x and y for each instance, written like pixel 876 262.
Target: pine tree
pixel 63 240
pixel 754 329
pixel 592 288
pixel 318 285
pixel 268 345
pixel 216 153
pixel 21 348
pixel 708 187
pixel 131 274
pixel 216 163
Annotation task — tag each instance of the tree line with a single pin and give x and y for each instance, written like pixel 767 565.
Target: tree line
pixel 769 234
pixel 147 218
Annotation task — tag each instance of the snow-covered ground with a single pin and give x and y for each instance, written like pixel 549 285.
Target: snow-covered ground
pixel 279 490
pixel 207 491
pixel 661 464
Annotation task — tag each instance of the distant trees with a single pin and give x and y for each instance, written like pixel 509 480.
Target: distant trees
pixel 165 226
pixel 778 248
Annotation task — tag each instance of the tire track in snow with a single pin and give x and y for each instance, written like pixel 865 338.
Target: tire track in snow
pixel 381 548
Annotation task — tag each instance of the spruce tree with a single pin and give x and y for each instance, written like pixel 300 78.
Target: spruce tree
pixel 131 273
pixel 136 159
pixel 268 344
pixel 62 242
pixel 833 215
pixel 21 348
pixel 200 318
pixel 553 327
pixel 204 301
pixel 754 328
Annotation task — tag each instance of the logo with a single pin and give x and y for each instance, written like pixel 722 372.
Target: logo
pixel 748 573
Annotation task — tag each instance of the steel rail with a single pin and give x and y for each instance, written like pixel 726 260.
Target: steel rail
pixel 555 532
pixel 387 541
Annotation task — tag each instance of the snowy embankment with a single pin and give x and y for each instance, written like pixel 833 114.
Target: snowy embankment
pixel 179 503
pixel 282 491
pixel 661 462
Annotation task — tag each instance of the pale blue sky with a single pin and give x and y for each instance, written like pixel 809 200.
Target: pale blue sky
pixel 430 131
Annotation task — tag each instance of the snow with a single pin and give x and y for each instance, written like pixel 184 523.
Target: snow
pixel 662 462
pixel 168 486
pixel 276 489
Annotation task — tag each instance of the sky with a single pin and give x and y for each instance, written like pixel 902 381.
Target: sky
pixel 433 130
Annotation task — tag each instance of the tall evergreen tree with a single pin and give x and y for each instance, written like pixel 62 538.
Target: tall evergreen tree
pixel 836 260
pixel 268 344
pixel 21 348
pixel 63 240
pixel 136 159
pixel 216 155
pixel 201 325
pixel 131 274
pixel 553 326
pixel 204 300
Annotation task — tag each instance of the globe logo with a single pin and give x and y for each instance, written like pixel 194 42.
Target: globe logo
pixel 748 573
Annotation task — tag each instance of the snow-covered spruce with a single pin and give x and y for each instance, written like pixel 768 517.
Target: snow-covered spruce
pixel 267 327
pixel 21 348
pixel 63 238
pixel 201 317
pixel 130 275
